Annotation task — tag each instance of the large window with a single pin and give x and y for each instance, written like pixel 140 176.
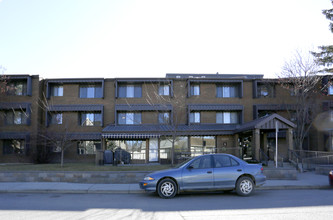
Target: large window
pixel 14 147
pixel 16 117
pixel 57 90
pixel 18 88
pixel 130 91
pixel 164 118
pixel 195 117
pixel 195 89
pixel 129 118
pixel 88 147
pixel 180 148
pixel 330 90
pixel 91 91
pixel 55 119
pixel 227 117
pixel 164 90
pixel 135 148
pixel 227 91
pixel 265 90
pixel 202 145
pixel 90 119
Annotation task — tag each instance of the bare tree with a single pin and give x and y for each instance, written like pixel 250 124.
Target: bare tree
pixel 59 138
pixel 3 80
pixel 300 77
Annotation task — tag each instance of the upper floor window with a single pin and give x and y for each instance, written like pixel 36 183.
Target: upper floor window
pixel 227 117
pixel 195 89
pixel 90 119
pixel 91 91
pixel 56 119
pixel 18 88
pixel 195 117
pixel 13 147
pixel 265 90
pixel 129 118
pixel 330 90
pixel 227 91
pixel 130 91
pixel 88 147
pixel 16 117
pixel 57 90
pixel 164 90
pixel 164 118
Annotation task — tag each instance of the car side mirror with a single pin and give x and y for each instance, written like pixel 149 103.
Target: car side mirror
pixel 190 167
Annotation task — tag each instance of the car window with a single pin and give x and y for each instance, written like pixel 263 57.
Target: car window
pixel 224 161
pixel 202 163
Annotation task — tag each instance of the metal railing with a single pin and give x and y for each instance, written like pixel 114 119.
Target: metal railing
pixel 309 160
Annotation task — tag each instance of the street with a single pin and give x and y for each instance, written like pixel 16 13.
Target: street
pixel 264 204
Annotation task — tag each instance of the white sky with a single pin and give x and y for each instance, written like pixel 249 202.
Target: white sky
pixel 149 38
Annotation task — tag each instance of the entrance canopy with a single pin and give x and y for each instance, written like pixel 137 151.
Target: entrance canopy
pixel 266 123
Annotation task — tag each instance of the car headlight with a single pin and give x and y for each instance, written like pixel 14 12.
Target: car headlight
pixel 331 172
pixel 148 178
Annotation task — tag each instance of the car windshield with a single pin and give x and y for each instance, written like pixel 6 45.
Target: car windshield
pixel 183 163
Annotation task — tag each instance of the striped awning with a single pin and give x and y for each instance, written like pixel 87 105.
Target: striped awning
pixel 130 136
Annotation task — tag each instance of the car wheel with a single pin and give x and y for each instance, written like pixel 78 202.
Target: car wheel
pixel 245 186
pixel 167 189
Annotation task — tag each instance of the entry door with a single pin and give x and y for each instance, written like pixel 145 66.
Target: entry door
pixel 153 150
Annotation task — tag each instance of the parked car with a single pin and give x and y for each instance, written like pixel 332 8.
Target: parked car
pixel 330 176
pixel 206 172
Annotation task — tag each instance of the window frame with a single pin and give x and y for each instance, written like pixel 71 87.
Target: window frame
pixel 233 90
pixel 21 150
pixel 162 119
pixel 13 116
pixel 57 90
pixel 126 117
pixel 222 114
pixel 194 116
pixel 162 90
pixel 124 89
pixel 95 123
pixel 195 89
pixel 96 88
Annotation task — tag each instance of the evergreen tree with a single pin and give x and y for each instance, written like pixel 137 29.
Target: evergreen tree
pixel 325 56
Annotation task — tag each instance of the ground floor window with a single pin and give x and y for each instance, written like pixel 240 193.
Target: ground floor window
pixel 202 145
pixel 14 147
pixel 88 147
pixel 136 148
pixel 181 149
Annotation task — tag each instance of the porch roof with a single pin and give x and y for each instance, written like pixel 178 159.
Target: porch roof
pixel 267 122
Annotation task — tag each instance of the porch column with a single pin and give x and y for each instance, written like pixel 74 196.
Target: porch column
pixel 290 140
pixel 265 142
pixel 236 146
pixel 103 144
pixel 256 144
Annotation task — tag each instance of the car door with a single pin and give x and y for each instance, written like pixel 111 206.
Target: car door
pixel 226 172
pixel 198 175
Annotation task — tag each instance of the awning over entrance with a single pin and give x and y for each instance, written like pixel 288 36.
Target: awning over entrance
pixel 130 136
pixel 267 122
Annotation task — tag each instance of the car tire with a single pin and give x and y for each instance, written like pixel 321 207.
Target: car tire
pixel 167 188
pixel 245 186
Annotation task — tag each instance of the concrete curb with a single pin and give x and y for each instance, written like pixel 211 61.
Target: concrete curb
pixel 136 191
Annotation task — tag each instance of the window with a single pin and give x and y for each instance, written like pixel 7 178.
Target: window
pixel 57 90
pixel 330 90
pixel 91 119
pixel 224 161
pixel 13 147
pixel 195 90
pixel 227 91
pixel 91 91
pixel 16 117
pixel 88 147
pixel 129 118
pixel 202 145
pixel 204 162
pixel 164 90
pixel 130 91
pixel 265 90
pixel 195 117
pixel 264 113
pixel 164 118
pixel 227 117
pixel 56 119
pixel 18 88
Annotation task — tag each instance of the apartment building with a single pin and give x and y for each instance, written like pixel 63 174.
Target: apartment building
pixel 155 120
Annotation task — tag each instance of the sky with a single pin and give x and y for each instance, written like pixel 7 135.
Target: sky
pixel 149 38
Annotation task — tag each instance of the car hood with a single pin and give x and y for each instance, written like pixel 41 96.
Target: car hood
pixel 167 172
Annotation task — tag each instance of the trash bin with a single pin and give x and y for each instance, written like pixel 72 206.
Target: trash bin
pixel 108 157
pixel 99 158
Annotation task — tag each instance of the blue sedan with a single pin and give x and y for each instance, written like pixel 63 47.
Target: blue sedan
pixel 206 172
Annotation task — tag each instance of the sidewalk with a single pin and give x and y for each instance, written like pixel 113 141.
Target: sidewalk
pixel 308 180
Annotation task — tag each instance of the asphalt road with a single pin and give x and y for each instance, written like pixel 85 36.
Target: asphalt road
pixel 275 204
